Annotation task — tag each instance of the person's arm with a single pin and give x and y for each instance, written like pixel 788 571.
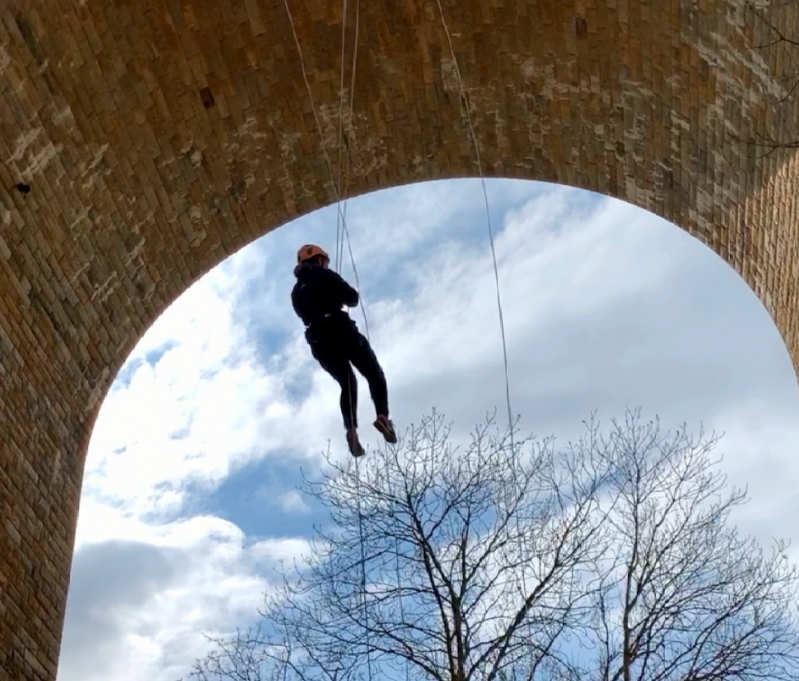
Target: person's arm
pixel 348 295
pixel 294 302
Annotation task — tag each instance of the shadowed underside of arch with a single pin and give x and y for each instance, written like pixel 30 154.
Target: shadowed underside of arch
pixel 159 136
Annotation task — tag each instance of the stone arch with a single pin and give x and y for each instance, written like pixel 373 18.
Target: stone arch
pixel 143 141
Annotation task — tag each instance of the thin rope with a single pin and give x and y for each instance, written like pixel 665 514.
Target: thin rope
pixel 402 607
pixel 310 96
pixel 491 241
pixel 341 123
pixel 351 109
pixel 347 170
pixel 363 571
pixel 341 220
pixel 488 214
pixel 327 161
pixel 341 226
pixel 341 217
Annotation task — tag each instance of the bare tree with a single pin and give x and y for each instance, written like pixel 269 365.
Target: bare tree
pixel 511 560
pixel 472 560
pixel 684 597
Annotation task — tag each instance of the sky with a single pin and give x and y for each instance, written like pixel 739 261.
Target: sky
pixel 189 497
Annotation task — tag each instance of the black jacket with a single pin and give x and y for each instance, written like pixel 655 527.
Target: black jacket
pixel 319 295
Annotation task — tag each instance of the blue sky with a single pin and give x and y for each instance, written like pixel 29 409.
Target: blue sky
pixel 189 496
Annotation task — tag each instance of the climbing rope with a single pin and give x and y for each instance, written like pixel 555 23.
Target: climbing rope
pixel 468 109
pixel 343 214
pixel 470 123
pixel 363 571
pixel 339 244
pixel 402 606
pixel 329 165
pixel 341 231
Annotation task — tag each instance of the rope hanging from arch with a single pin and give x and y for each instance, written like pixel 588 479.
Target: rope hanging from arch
pixel 329 165
pixel 473 135
pixel 342 231
pixel 341 215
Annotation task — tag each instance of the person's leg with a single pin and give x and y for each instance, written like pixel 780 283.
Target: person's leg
pixel 365 361
pixel 335 363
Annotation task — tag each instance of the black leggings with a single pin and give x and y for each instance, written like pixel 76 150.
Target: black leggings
pixel 335 354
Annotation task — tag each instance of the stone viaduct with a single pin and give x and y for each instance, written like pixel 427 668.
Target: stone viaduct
pixel 143 141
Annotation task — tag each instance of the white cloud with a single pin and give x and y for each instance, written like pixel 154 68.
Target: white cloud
pixel 141 604
pixel 605 307
pixel 188 419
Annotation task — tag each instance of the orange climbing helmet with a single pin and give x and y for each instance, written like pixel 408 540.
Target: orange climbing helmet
pixel 310 251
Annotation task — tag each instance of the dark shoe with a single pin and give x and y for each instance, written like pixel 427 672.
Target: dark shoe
pixel 386 429
pixel 354 443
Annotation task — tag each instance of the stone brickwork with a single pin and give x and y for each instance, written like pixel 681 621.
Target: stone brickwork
pixel 157 137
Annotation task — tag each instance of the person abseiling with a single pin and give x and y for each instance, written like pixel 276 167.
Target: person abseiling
pixel 319 298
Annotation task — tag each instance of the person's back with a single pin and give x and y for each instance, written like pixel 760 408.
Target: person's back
pixel 318 299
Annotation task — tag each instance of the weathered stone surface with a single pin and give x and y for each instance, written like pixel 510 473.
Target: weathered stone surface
pixel 159 136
